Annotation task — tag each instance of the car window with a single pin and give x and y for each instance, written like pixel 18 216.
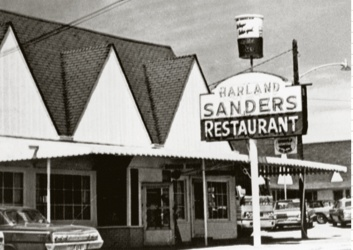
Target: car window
pixel 32 216
pixel 286 204
pixel 12 215
pixel 3 220
pixel 25 216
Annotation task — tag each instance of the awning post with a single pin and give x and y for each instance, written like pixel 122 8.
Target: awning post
pixel 128 196
pixel 48 189
pixel 304 231
pixel 204 186
pixel 255 191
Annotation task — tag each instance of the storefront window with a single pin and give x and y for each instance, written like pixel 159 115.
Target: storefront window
pixel 348 193
pixel 337 194
pixel 311 195
pixel 158 215
pixel 11 188
pixel 70 196
pixel 179 199
pixel 217 200
pixel 217 195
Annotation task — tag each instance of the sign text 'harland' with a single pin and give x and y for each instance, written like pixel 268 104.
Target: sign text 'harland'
pixel 252 105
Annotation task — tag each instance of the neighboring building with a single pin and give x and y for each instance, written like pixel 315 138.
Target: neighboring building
pixel 321 186
pixel 105 131
pixel 318 186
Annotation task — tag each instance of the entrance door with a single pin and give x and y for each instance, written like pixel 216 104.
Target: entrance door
pixel 197 213
pixel 157 214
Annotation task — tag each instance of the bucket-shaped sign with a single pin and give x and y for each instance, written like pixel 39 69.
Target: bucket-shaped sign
pixel 249 29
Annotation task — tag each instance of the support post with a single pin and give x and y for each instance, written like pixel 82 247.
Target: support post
pixel 284 156
pixel 300 147
pixel 255 191
pixel 48 190
pixel 128 196
pixel 204 187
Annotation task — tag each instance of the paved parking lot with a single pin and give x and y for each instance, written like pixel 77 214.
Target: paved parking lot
pixel 321 237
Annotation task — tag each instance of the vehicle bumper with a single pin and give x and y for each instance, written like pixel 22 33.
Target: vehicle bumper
pixel 264 224
pixel 339 219
pixel 75 245
pixel 292 221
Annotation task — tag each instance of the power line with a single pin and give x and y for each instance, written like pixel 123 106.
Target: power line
pixel 257 65
pixel 67 26
pixel 266 61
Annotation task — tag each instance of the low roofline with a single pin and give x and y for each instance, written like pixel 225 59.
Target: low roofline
pixel 19 151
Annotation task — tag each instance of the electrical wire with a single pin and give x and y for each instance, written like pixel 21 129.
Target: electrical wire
pixel 67 26
pixel 257 65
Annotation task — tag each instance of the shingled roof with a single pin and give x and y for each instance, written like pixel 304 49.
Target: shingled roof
pixel 80 72
pixel 60 57
pixel 166 80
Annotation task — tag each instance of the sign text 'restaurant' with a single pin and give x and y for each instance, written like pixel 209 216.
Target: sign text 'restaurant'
pixel 252 105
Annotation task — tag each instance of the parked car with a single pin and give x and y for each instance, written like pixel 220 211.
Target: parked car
pixel 287 213
pixel 27 228
pixel 322 210
pixel 341 212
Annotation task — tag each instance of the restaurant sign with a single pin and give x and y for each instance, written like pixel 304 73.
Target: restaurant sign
pixel 253 105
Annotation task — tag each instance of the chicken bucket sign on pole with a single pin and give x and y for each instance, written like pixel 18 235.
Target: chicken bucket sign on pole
pixel 252 106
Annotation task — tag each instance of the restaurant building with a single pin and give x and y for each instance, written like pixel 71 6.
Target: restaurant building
pixel 105 131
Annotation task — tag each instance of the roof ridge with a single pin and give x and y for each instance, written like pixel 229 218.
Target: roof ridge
pixel 327 142
pixel 171 58
pixel 87 30
pixel 150 96
pixel 83 49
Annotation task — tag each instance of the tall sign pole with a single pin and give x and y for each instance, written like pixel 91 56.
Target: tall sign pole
pixel 250 44
pixel 304 232
pixel 254 168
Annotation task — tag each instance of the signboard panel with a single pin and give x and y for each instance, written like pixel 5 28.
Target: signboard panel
pixel 252 105
pixel 285 145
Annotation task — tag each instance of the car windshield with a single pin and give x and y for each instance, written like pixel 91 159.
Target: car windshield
pixel 24 216
pixel 286 205
pixel 315 204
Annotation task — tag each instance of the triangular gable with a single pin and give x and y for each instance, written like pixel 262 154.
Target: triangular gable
pixel 111 115
pixel 81 70
pixel 43 55
pixel 166 81
pixel 185 131
pixel 22 110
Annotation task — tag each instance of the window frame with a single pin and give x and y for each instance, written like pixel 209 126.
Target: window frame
pixel 225 180
pixel 186 205
pixel 92 193
pixel 15 171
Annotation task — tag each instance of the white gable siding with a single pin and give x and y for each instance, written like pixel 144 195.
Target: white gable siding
pixel 22 110
pixel 111 115
pixel 185 132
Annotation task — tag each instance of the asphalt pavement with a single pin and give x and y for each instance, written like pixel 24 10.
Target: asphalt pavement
pixel 321 237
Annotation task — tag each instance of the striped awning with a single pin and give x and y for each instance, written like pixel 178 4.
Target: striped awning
pixel 13 149
pixel 274 166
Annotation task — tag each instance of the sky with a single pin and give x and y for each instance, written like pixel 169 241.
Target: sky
pixel 322 29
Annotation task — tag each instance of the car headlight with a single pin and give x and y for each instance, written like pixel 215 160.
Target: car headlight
pixel 271 215
pixel 93 236
pixel 248 215
pixel 59 238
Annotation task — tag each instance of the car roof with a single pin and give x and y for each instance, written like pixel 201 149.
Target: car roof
pixel 289 200
pixel 4 208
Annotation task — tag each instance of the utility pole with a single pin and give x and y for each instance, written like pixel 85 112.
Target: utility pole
pixel 304 231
